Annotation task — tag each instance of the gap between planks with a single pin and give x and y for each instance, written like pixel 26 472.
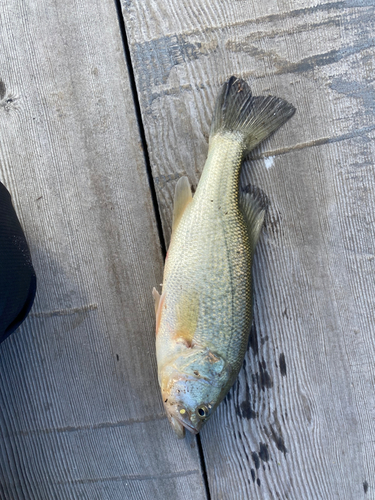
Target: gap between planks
pixel 141 129
pixel 152 188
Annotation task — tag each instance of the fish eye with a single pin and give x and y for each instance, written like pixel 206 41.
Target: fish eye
pixel 202 411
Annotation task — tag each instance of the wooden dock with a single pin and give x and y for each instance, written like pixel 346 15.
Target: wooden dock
pixel 103 107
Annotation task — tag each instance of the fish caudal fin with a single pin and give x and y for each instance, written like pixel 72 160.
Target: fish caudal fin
pixel 252 117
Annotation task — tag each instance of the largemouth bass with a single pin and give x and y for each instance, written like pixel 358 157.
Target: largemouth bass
pixel 204 313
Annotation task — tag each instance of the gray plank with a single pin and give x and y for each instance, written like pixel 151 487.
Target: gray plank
pixel 80 411
pixel 299 421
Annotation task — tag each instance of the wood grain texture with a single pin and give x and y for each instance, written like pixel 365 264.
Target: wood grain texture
pixel 299 421
pixel 80 411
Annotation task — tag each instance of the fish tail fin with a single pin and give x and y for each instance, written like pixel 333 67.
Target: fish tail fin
pixel 254 118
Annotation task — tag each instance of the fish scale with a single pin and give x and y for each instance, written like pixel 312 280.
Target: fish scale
pixel 211 250
pixel 204 314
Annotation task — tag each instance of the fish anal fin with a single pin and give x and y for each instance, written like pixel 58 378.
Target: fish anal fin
pixel 253 205
pixel 182 198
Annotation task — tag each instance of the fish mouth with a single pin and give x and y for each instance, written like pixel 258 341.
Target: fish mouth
pixel 187 426
pixel 179 424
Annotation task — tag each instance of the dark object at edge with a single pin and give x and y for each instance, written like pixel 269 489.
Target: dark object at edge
pixel 17 275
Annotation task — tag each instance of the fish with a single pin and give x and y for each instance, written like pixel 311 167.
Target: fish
pixel 204 312
pixel 17 274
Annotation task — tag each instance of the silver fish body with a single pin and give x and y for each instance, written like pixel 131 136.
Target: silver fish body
pixel 204 314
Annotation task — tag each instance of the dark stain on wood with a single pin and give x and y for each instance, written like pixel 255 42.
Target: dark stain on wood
pixel 263 378
pixel 283 65
pixel 2 90
pixel 253 340
pixel 263 452
pixel 256 460
pixel 244 409
pixel 258 481
pixel 228 397
pixel 282 364
pixel 155 59
pixel 357 89
pixel 365 486
pixel 279 441
pixel 252 475
pixel 325 59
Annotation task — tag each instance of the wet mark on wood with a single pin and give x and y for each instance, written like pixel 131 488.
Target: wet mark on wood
pixel 283 65
pixel 252 475
pixel 365 486
pixel 2 90
pixel 244 409
pixel 253 340
pixel 325 59
pixel 275 433
pixel 263 340
pixel 228 397
pixel 279 441
pixel 264 379
pixel 282 364
pixel 156 58
pixel 256 460
pixel 263 452
pixel 258 481
pixel 359 90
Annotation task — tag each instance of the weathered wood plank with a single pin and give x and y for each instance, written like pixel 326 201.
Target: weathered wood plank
pixel 80 412
pixel 299 421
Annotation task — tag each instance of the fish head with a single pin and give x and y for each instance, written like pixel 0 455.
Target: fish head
pixel 192 387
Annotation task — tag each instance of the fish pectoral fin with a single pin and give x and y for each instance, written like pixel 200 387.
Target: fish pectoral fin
pixel 182 198
pixel 159 302
pixel 185 337
pixel 156 296
pixel 253 206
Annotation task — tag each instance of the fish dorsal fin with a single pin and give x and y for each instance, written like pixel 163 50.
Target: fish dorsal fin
pixel 253 205
pixel 182 198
